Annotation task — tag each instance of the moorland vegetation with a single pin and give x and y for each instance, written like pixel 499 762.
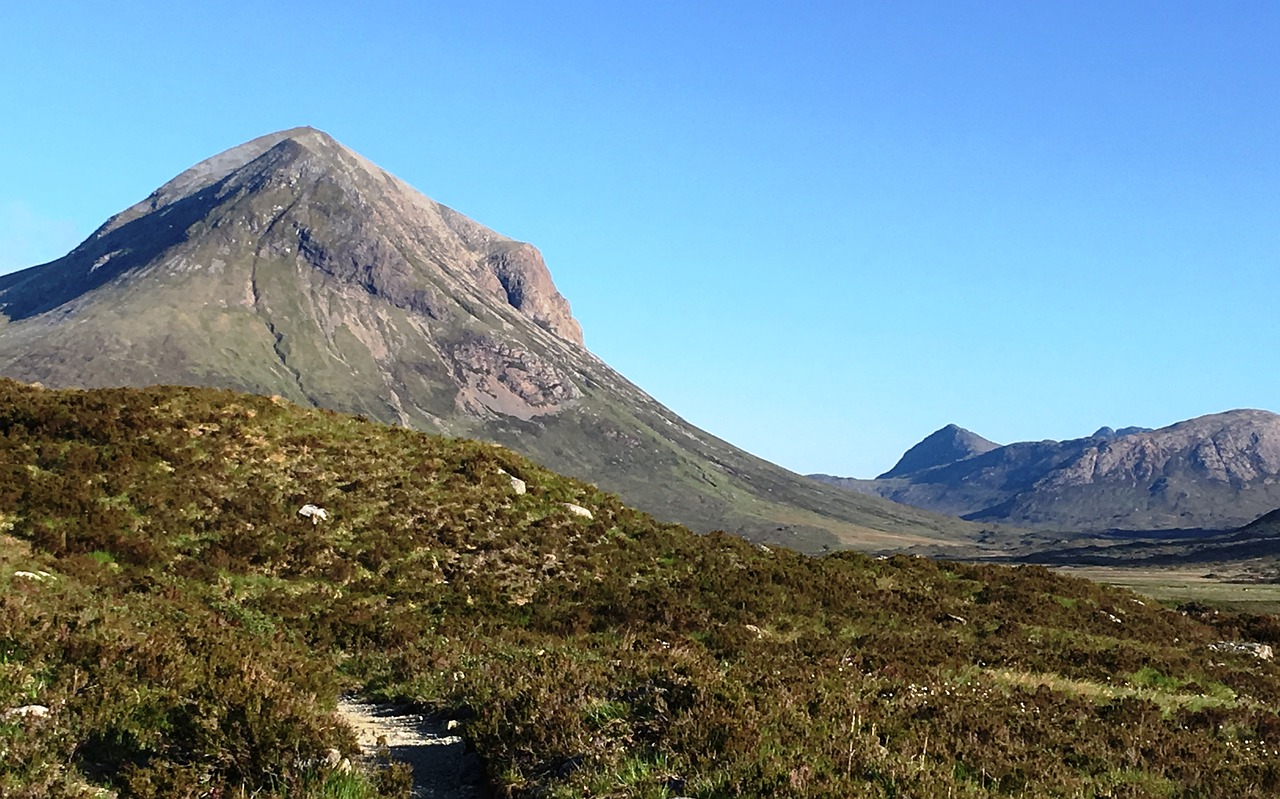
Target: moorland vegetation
pixel 193 633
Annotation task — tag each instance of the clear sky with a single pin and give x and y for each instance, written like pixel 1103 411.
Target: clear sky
pixel 820 230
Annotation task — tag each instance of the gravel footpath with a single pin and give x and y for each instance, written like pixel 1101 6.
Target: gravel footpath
pixel 442 767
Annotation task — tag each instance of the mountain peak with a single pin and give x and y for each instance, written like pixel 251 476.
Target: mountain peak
pixel 299 201
pixel 1212 472
pixel 218 167
pixel 948 445
pixel 289 265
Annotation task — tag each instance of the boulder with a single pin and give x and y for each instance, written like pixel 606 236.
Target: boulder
pixel 315 513
pixel 334 761
pixel 517 485
pixel 577 510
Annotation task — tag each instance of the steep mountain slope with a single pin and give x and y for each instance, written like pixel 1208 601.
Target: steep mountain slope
pixel 292 266
pixel 171 626
pixel 1214 472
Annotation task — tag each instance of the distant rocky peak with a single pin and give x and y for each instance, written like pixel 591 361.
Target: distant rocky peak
pixel 948 445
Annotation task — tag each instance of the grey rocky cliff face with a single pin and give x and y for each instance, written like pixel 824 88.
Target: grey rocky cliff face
pixel 1236 448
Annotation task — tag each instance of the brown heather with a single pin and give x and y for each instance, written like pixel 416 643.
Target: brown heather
pixel 197 633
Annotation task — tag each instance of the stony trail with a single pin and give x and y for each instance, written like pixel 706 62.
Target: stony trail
pixel 442 767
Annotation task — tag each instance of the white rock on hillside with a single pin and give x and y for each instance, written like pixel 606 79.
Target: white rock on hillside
pixel 1260 651
pixel 315 513
pixel 39 577
pixel 577 510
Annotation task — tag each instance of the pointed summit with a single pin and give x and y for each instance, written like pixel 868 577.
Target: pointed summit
pixel 948 445
pixel 300 199
pixel 215 168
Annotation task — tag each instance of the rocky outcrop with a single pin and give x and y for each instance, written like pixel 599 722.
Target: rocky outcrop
pixel 506 378
pixel 1110 432
pixel 525 282
pixel 1259 651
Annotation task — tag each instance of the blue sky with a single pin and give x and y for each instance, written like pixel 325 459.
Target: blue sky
pixel 818 230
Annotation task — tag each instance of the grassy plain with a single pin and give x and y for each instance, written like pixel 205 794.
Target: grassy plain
pixel 1219 586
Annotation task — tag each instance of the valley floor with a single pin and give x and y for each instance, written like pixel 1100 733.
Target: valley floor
pixel 1221 586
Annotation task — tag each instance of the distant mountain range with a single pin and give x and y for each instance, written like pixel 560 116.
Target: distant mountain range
pixel 292 266
pixel 1214 472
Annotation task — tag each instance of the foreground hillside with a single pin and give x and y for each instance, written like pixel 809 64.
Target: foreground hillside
pixel 189 633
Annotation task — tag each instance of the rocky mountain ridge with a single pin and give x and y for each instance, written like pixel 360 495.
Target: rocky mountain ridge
pixel 1217 471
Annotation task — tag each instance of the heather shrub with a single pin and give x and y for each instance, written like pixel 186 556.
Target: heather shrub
pixel 196 633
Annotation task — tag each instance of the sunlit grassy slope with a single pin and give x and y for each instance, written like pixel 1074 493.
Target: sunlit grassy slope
pixel 194 632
